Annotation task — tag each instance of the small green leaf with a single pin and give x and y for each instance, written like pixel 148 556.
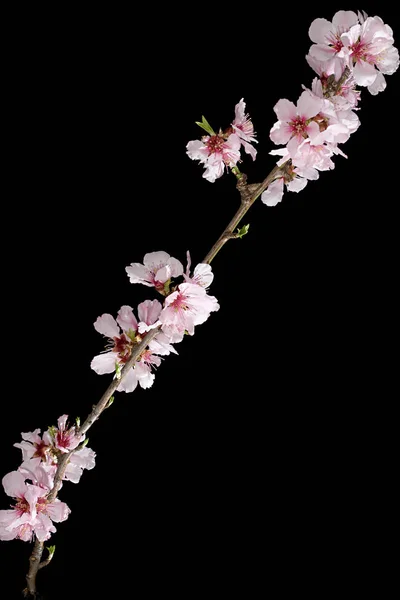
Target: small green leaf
pixel 111 400
pixel 51 550
pixel 78 421
pixel 241 232
pixel 85 443
pixel 204 124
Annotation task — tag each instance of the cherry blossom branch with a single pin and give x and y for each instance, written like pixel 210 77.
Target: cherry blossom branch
pixel 35 563
pixel 248 195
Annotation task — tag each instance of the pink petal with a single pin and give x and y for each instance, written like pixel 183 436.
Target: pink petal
pixel 378 86
pixel 58 511
pixel 319 31
pixel 139 274
pixel 364 73
pixel 155 260
pixel 249 149
pixel 129 382
pixel 149 311
pixel 344 19
pixel 274 193
pixel 14 484
pixel 176 267
pixel 43 527
pixel 32 436
pixel 104 363
pixel 196 150
pixel 308 105
pixel 107 325
pixel 280 133
pixel 298 184
pixel 62 422
pixel 285 110
pixel 126 319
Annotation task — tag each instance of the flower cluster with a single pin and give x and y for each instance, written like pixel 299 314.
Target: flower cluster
pixel 32 513
pixel 185 306
pixel 351 50
pixel 219 150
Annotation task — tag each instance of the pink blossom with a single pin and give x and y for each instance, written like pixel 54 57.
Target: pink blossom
pixel 327 36
pixel 244 128
pixel 215 153
pixel 32 513
pixel 156 270
pixel 40 455
pixel 33 446
pixel 65 438
pixel 296 123
pixel 370 47
pixel 124 341
pixel 188 306
pixel 202 274
pixel 80 460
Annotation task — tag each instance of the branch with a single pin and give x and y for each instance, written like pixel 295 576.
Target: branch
pixel 248 195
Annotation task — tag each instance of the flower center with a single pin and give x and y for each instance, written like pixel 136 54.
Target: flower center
pixel 41 450
pixel 215 143
pixel 22 505
pixel 359 51
pixel 299 126
pixel 123 347
pixel 179 303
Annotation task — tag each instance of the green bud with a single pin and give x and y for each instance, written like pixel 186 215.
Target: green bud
pixel 241 232
pixel 85 443
pixel 78 421
pixel 51 550
pixel 111 400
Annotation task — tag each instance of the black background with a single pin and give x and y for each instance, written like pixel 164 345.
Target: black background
pixel 261 459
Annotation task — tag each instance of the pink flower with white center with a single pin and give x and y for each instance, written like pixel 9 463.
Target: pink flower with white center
pixel 215 153
pixel 156 270
pixel 188 306
pixel 244 128
pixel 202 274
pixel 32 513
pixel 296 123
pixel 327 38
pixel 370 47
